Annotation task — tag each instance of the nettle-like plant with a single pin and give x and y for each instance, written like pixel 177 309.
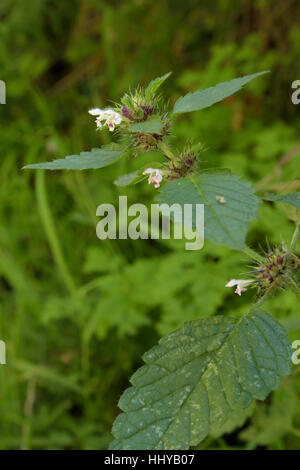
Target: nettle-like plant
pixel 204 377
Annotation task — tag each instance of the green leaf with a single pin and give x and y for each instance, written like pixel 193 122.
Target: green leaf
pixel 155 84
pixel 293 199
pixel 136 176
pixel 153 125
pixel 236 419
pixel 226 223
pixel 130 179
pixel 197 377
pixel 204 98
pixel 96 158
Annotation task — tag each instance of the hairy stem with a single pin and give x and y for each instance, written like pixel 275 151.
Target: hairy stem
pixel 166 150
pixel 49 227
pixel 252 254
pixel 293 284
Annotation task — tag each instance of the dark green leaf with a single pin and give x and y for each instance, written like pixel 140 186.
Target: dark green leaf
pixel 226 223
pixel 204 98
pixel 155 84
pixel 96 158
pixel 196 378
pixel 136 176
pixel 293 199
pixel 130 179
pixel 153 125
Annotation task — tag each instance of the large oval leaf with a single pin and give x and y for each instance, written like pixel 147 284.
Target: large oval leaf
pixel 96 158
pixel 225 222
pixel 204 98
pixel 198 377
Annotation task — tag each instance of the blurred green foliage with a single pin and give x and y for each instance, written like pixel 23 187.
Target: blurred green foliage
pixel 77 313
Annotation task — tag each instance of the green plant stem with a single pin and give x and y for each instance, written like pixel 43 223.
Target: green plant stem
pixel 166 150
pixel 49 227
pixel 294 284
pixel 295 236
pixel 86 288
pixel 294 431
pixel 252 254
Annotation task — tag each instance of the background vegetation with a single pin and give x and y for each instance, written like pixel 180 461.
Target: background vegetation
pixel 77 313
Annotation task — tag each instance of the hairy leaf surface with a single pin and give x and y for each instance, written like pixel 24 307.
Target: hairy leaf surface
pixel 226 223
pixel 204 98
pixel 96 158
pixel 293 199
pixel 153 125
pixel 155 84
pixel 197 377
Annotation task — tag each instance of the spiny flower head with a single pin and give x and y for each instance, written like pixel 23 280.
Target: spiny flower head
pixel 275 270
pixel 145 141
pixel 184 165
pixel 137 107
pixel 270 273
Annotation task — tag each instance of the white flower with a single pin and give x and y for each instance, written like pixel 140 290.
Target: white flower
pixel 155 176
pixel 240 283
pixel 221 199
pixel 110 117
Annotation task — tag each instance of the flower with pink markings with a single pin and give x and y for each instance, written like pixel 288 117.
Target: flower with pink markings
pixel 155 176
pixel 109 116
pixel 240 283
